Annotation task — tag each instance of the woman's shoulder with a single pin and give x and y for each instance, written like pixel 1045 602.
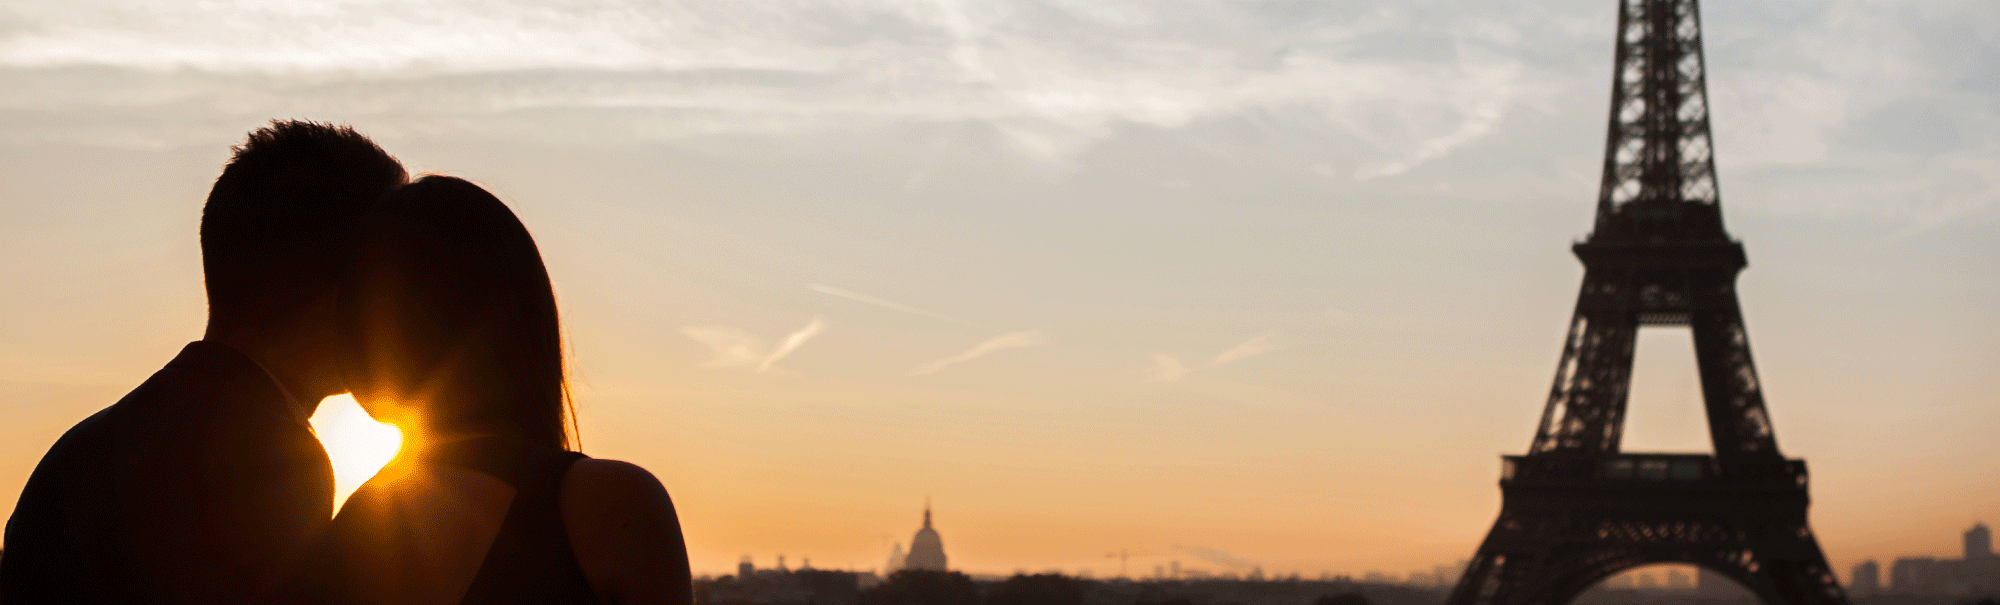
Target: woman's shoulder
pixel 607 486
pixel 624 531
pixel 592 474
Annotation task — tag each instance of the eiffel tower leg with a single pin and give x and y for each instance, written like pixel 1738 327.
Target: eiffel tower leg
pixel 1518 556
pixel 1790 560
pixel 1518 568
pixel 1481 578
pixel 1486 575
pixel 1737 421
pixel 1559 533
pixel 1586 408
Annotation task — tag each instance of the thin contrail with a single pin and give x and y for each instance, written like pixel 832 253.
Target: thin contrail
pixel 792 343
pixel 735 348
pixel 1167 368
pixel 1011 340
pixel 889 304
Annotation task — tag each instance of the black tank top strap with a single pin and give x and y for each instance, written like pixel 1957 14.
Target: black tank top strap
pixel 530 560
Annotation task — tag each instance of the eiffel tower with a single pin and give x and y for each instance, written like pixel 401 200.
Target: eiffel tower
pixel 1576 509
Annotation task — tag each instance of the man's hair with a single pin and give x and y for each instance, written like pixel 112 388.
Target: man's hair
pixel 274 231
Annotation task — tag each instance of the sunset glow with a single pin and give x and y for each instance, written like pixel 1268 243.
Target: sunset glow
pixel 358 445
pixel 1216 286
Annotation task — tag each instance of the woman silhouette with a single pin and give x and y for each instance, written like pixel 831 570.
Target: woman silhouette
pixel 453 336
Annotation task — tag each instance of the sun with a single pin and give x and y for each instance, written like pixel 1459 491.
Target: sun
pixel 356 443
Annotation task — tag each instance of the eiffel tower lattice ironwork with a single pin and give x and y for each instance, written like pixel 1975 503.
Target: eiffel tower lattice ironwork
pixel 1576 509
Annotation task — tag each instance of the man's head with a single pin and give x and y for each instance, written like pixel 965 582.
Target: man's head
pixel 274 233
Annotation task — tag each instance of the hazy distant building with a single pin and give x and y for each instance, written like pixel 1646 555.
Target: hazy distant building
pixel 1447 575
pixel 1913 575
pixel 1976 574
pixel 745 568
pixel 926 549
pixel 1866 580
pixel 775 587
pixel 1978 542
pixel 896 557
pixel 1679 581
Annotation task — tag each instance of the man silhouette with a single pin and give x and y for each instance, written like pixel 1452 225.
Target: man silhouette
pixel 205 484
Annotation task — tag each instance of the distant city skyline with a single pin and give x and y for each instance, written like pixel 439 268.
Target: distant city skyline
pixel 1976 544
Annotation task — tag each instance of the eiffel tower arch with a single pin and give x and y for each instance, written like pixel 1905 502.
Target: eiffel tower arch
pixel 1576 509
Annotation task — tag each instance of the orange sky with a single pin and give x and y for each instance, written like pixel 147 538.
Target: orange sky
pixel 1235 288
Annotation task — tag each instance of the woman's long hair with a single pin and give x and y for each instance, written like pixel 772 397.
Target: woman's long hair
pixel 451 319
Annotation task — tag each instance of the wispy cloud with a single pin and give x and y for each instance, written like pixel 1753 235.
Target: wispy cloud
pixel 760 65
pixel 1012 340
pixel 1479 121
pixel 792 343
pixel 889 304
pixel 735 348
pixel 1841 111
pixel 1167 368
pixel 1255 346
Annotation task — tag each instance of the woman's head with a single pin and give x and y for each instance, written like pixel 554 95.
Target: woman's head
pixel 450 317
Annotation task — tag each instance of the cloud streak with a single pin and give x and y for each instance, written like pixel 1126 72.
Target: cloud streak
pixel 1012 340
pixel 1255 346
pixel 751 65
pixel 1854 110
pixel 1167 368
pixel 889 304
pixel 733 348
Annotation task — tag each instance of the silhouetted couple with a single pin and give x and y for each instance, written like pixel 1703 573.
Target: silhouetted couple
pixel 328 271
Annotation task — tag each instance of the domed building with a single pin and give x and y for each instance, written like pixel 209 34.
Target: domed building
pixel 926 549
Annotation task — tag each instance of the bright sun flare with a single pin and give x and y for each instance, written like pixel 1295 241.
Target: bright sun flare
pixel 356 443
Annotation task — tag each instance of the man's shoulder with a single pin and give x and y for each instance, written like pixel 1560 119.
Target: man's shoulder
pixel 211 386
pixel 184 410
pixel 182 471
pixel 65 520
pixel 171 399
pixel 187 429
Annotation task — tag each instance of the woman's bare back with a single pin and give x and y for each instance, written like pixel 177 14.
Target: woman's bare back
pixel 495 522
